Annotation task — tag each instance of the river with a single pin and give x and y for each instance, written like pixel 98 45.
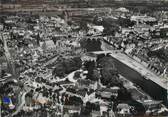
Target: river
pixel 148 86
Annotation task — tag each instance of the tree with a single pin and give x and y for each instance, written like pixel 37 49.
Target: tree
pixel 161 54
pixel 75 101
pixel 59 70
pixel 108 71
pixel 125 22
pixel 89 65
pixel 96 75
pixel 123 94
pixel 88 109
pixel 67 66
pixel 77 75
pixel 72 64
pixel 91 44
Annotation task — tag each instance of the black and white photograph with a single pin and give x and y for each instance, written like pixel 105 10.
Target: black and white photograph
pixel 83 58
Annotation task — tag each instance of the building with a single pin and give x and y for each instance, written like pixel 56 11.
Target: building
pixel 71 110
pixel 88 84
pixel 3 65
pixel 47 45
pixel 123 109
pixel 95 114
pixel 108 93
pixel 143 19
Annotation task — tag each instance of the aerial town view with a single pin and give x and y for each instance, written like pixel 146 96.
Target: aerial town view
pixel 83 58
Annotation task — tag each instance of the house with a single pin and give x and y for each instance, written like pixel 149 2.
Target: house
pixel 123 109
pixel 143 19
pixel 95 114
pixel 164 31
pixel 86 95
pixel 89 96
pixel 108 93
pixel 142 28
pixel 66 115
pixel 126 30
pixel 39 99
pixel 65 83
pixel 72 109
pixel 1 26
pixel 3 64
pixel 103 108
pixel 151 104
pixel 111 113
pixel 89 57
pixel 47 45
pixel 88 84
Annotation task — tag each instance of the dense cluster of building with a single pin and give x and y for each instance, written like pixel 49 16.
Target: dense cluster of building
pixel 92 1
pixel 45 60
pixel 146 42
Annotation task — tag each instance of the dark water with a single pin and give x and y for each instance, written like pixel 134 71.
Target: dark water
pixel 151 88
pixel 148 86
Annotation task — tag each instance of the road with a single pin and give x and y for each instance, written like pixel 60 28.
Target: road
pixel 145 72
pixel 8 55
pixel 140 68
pixel 21 105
